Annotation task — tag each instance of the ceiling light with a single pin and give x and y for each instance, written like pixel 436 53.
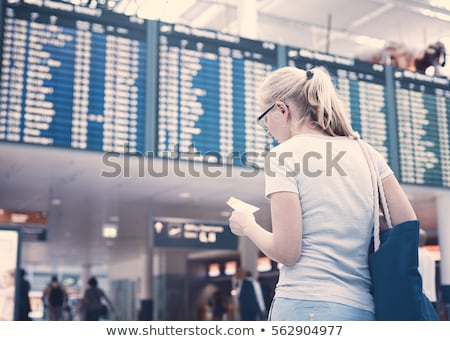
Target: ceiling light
pixel 440 3
pixel 114 219
pixel 434 14
pixel 150 10
pixel 184 195
pixel 370 41
pixel 131 9
pixel 56 202
pixel 109 230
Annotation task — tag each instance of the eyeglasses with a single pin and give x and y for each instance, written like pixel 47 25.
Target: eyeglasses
pixel 261 121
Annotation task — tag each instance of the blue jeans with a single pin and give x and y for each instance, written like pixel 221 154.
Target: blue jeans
pixel 286 309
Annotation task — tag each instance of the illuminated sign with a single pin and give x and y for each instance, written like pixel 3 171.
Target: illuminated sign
pixel 423 107
pixel 208 84
pixel 361 86
pixel 23 217
pixel 175 232
pixel 72 77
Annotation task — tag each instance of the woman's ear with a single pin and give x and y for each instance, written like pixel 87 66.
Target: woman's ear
pixel 284 109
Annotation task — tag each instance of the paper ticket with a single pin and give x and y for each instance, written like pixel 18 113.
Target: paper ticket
pixel 240 205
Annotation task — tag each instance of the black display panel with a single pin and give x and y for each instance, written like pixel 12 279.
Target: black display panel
pixel 186 233
pixel 72 77
pixel 423 107
pixel 207 95
pixel 361 86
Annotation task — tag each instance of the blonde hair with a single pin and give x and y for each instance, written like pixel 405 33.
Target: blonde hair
pixel 313 93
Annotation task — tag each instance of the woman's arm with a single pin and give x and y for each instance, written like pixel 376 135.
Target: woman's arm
pixel 283 244
pixel 399 206
pixel 110 304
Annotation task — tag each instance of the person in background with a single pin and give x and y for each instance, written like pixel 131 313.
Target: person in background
pixel 434 56
pixel 250 297
pixel 219 307
pixel 55 298
pixel 427 269
pixel 92 305
pixel 322 203
pixel 24 297
pixel 67 313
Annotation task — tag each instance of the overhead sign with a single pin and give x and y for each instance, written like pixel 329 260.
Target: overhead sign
pixel 207 99
pixel 184 233
pixel 23 217
pixel 72 77
pixel 34 234
pixel 361 87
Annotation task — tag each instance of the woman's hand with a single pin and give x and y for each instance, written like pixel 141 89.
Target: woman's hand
pixel 241 222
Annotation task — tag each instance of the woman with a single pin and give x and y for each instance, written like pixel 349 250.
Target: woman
pixel 321 198
pixel 92 304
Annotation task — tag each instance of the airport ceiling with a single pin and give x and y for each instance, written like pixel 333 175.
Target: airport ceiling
pixel 79 200
pixel 344 27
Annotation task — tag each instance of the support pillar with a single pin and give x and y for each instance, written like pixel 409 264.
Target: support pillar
pixel 443 220
pixel 247 14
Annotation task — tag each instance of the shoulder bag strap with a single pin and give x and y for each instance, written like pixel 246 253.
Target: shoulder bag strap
pixel 379 196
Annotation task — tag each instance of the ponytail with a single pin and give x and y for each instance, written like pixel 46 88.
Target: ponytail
pixel 315 96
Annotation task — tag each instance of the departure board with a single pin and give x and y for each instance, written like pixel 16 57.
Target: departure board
pixel 72 77
pixel 208 85
pixel 423 107
pixel 361 87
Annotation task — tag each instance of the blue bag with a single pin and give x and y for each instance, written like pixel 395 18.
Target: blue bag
pixel 393 263
pixel 397 283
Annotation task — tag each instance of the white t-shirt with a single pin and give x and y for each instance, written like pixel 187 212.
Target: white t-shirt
pixel 332 179
pixel 427 269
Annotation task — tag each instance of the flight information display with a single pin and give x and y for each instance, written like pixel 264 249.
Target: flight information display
pixel 423 107
pixel 84 78
pixel 208 103
pixel 72 77
pixel 361 87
